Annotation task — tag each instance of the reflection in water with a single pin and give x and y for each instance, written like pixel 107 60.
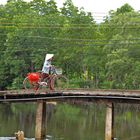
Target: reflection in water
pixel 73 122
pixel 127 121
pixel 14 117
pixel 70 122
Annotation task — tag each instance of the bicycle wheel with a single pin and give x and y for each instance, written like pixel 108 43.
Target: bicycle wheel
pixel 59 82
pixel 28 85
pixel 47 82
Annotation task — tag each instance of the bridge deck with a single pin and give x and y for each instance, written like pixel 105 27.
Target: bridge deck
pixel 116 95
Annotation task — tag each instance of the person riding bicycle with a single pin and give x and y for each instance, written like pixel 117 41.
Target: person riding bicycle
pixel 47 67
pixel 49 77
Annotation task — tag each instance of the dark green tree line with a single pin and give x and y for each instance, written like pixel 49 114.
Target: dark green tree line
pixel 104 55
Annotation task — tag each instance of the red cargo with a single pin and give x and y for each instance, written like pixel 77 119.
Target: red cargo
pixel 33 77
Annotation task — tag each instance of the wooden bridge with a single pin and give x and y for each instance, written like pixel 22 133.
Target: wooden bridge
pixel 109 97
pixel 80 94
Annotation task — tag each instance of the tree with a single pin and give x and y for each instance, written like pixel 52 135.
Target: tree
pixel 122 47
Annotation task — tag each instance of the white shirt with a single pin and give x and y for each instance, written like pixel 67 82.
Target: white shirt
pixel 46 67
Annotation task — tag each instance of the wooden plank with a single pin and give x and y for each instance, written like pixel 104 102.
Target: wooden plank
pixel 78 91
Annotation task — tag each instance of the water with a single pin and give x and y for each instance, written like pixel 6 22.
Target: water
pixel 70 122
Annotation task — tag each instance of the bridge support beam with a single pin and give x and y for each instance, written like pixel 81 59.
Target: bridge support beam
pixel 109 121
pixel 40 127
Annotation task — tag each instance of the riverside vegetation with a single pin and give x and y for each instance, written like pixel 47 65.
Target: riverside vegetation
pixel 97 55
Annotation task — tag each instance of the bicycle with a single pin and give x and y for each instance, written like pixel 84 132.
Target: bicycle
pixel 54 81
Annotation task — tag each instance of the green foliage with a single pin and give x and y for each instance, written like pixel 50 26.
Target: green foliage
pixel 124 9
pixel 92 55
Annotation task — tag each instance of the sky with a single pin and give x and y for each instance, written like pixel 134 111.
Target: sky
pixel 99 8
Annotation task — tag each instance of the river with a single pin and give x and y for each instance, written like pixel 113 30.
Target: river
pixel 67 121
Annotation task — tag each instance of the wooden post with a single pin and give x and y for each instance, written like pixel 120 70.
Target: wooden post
pixel 40 128
pixel 109 121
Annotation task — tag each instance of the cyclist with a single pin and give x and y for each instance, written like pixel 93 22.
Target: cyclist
pixel 47 67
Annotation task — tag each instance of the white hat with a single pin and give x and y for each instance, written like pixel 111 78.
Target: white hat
pixel 49 56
